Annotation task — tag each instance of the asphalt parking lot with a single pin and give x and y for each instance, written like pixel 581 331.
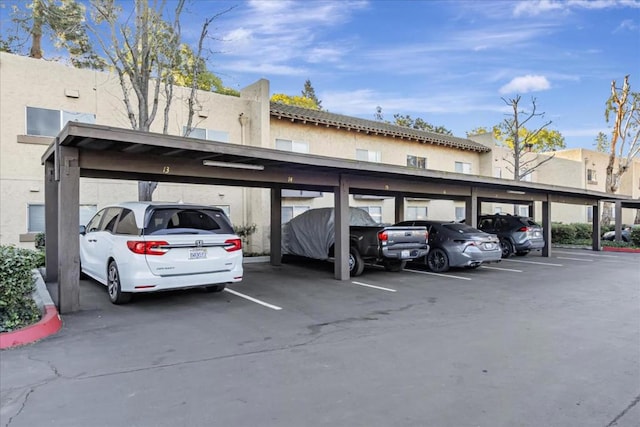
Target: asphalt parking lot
pixel 530 341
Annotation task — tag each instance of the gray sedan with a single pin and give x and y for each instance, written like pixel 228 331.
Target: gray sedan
pixel 454 244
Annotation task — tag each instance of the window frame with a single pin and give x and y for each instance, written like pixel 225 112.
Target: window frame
pixel 377 156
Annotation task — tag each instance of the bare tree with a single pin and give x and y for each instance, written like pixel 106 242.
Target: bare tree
pixel 145 55
pixel 624 146
pixel 524 143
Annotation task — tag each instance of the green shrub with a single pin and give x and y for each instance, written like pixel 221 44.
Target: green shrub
pixel 16 286
pixel 40 242
pixel 583 231
pixel 635 236
pixel 563 233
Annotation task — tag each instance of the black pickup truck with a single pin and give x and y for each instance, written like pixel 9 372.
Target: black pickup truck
pixel 312 235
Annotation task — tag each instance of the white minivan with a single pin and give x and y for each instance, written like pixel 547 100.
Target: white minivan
pixel 152 246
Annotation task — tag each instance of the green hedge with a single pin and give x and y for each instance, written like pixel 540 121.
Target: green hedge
pixel 17 308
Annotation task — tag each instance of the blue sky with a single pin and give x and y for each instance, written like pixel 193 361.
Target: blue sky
pixel 448 62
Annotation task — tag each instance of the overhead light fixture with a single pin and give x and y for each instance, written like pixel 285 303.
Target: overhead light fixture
pixel 232 165
pixel 515 192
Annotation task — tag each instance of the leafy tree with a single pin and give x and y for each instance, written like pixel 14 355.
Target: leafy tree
pixel 419 124
pixel 624 145
pixel 479 131
pixel 298 101
pixel 525 144
pixel 310 93
pixel 63 21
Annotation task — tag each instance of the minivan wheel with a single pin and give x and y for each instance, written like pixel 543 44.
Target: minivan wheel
pixel 507 248
pixel 438 261
pixel 114 288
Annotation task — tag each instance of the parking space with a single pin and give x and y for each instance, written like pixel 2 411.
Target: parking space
pixel 528 341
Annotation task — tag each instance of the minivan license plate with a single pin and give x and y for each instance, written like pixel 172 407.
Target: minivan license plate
pixel 197 253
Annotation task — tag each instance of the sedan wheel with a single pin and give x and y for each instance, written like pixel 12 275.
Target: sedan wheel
pixel 438 261
pixel 116 296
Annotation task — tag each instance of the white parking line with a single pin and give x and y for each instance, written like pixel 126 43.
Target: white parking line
pixel 374 287
pixel 257 301
pixel 532 262
pixel 584 254
pixel 438 274
pixel 501 269
pixel 575 259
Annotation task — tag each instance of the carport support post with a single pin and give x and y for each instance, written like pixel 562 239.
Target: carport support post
pixel 595 220
pixel 399 207
pixel 276 226
pixel 341 220
pixel 68 223
pixel 51 221
pixel 471 208
pixel 618 220
pixel 546 228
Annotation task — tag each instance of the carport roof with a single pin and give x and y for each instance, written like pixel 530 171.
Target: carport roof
pixel 108 152
pixel 305 115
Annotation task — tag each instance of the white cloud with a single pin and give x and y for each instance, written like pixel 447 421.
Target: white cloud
pixel 524 84
pixel 533 8
pixel 627 25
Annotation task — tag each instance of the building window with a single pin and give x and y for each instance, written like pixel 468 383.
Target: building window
pixel 290 212
pixel 416 212
pixel 208 134
pixel 526 175
pixel 35 222
pixel 462 167
pixel 592 178
pixel 416 162
pixel 460 213
pixel 590 213
pixel 497 172
pixel 523 211
pixel 368 156
pixel 375 212
pixel 497 210
pixel 45 122
pixel 293 146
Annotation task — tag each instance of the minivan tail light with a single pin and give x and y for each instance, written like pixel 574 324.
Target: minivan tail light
pixel 233 245
pixel 383 236
pixel 153 247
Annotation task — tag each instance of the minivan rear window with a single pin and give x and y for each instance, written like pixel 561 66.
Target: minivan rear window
pixel 187 221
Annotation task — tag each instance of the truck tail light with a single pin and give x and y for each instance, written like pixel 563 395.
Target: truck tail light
pixel 383 236
pixel 153 247
pixel 233 245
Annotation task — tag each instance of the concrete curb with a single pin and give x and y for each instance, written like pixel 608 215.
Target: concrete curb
pixel 255 259
pixel 49 324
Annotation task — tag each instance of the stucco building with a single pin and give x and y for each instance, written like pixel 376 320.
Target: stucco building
pixel 38 97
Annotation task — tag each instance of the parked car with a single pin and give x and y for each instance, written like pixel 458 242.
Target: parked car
pixel 312 235
pixel 625 235
pixel 150 246
pixel 517 234
pixel 452 244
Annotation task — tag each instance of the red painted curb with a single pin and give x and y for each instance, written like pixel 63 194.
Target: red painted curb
pixel 616 249
pixel 48 325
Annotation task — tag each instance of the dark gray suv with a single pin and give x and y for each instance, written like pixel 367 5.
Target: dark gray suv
pixel 518 234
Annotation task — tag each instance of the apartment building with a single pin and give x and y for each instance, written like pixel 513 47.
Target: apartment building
pixel 38 97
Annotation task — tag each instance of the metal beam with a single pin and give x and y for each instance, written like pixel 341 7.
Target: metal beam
pixel 399 209
pixel 618 220
pixel 595 222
